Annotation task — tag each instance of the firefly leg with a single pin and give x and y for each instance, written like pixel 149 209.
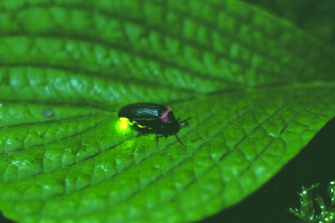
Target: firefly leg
pixel 178 139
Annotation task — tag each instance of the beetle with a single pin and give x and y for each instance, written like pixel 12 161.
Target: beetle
pixel 149 118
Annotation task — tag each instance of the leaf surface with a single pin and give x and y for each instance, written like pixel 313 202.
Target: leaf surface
pixel 256 88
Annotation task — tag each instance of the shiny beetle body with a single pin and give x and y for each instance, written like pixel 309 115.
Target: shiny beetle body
pixel 149 118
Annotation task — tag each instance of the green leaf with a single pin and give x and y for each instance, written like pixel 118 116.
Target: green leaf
pixel 257 89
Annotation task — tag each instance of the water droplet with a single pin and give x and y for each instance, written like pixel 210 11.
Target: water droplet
pixel 48 112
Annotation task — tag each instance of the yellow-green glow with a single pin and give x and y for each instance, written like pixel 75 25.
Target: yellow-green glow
pixel 124 123
pixel 134 122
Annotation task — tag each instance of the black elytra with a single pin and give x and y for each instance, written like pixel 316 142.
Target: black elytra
pixel 149 118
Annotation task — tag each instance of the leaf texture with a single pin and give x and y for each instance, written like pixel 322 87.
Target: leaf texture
pixel 257 90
